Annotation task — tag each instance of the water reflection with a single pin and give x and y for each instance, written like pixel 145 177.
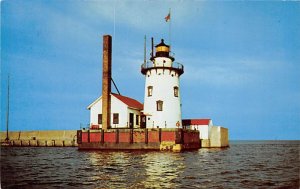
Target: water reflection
pixel 162 169
pixel 135 169
pixel 113 169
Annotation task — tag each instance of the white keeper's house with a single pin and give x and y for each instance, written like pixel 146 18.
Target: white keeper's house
pixel 125 112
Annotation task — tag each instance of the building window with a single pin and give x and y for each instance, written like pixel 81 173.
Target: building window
pixel 150 89
pixel 137 119
pixel 116 118
pixel 176 91
pixel 159 105
pixel 99 118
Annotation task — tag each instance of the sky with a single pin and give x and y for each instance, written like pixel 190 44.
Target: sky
pixel 241 61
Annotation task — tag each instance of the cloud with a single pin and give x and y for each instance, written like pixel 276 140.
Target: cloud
pixel 142 15
pixel 226 69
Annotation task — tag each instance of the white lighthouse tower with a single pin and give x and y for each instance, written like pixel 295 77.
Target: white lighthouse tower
pixel 162 102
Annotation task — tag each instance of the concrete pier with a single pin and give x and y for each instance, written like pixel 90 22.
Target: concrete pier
pixel 56 138
pixel 117 138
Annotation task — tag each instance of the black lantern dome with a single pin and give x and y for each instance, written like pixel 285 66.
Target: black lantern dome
pixel 163 50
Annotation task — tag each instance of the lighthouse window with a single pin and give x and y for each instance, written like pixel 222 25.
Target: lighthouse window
pixel 176 91
pixel 159 105
pixel 116 118
pixel 99 118
pixel 150 89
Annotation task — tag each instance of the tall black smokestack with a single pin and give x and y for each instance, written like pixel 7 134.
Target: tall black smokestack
pixel 106 82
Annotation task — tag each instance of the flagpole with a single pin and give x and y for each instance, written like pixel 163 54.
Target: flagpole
pixel 170 28
pixel 145 51
pixel 114 35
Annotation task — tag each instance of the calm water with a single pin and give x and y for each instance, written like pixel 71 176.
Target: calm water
pixel 256 164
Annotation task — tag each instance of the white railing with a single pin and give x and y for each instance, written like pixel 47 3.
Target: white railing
pixel 175 65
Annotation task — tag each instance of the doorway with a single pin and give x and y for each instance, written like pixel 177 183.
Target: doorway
pixel 143 121
pixel 131 120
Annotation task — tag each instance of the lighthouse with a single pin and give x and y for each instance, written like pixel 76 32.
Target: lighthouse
pixel 162 100
pixel 156 125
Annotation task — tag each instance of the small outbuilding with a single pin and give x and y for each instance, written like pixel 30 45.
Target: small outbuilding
pixel 125 112
pixel 210 135
pixel 202 125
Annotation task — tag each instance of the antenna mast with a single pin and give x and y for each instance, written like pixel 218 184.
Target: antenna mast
pixel 152 48
pixel 145 50
pixel 7 112
pixel 170 28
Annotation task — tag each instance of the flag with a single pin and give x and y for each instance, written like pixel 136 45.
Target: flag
pixel 168 17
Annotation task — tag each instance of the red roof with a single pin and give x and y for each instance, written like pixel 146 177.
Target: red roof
pixel 195 121
pixel 129 101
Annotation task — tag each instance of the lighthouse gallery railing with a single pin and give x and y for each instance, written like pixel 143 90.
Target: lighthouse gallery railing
pixel 174 66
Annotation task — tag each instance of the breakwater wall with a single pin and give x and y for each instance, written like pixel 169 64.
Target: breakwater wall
pixel 55 138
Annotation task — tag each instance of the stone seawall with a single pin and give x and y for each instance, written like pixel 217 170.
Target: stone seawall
pixel 55 138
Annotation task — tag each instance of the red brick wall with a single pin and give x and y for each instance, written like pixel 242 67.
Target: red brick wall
pixel 110 137
pixel 124 137
pixel 84 137
pixel 139 136
pixel 153 136
pixel 168 136
pixel 191 137
pixel 95 137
